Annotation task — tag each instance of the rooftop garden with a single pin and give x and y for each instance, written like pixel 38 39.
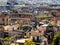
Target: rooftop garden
pixel 43 16
pixel 54 11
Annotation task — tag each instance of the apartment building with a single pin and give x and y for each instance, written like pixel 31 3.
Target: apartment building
pixel 21 17
pixel 4 19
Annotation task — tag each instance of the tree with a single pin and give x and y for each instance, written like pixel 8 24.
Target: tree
pixel 1 42
pixel 7 41
pixel 29 42
pixel 56 40
pixel 49 33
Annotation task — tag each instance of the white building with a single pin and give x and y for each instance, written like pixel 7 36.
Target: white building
pixel 20 41
pixel 3 2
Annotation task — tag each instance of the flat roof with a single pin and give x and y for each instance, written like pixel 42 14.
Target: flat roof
pixel 43 16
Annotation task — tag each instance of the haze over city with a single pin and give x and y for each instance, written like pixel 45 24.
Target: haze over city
pixel 34 0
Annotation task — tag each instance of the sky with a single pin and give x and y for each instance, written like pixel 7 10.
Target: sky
pixel 33 0
pixel 37 0
pixel 3 0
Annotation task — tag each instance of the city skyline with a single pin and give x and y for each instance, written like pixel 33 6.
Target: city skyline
pixel 4 2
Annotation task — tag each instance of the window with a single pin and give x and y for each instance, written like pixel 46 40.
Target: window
pixel 29 33
pixel 3 19
pixel 33 39
pixel 39 31
pixel 7 19
pixel 22 16
pixel 19 15
pixel 37 38
pixel 25 34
